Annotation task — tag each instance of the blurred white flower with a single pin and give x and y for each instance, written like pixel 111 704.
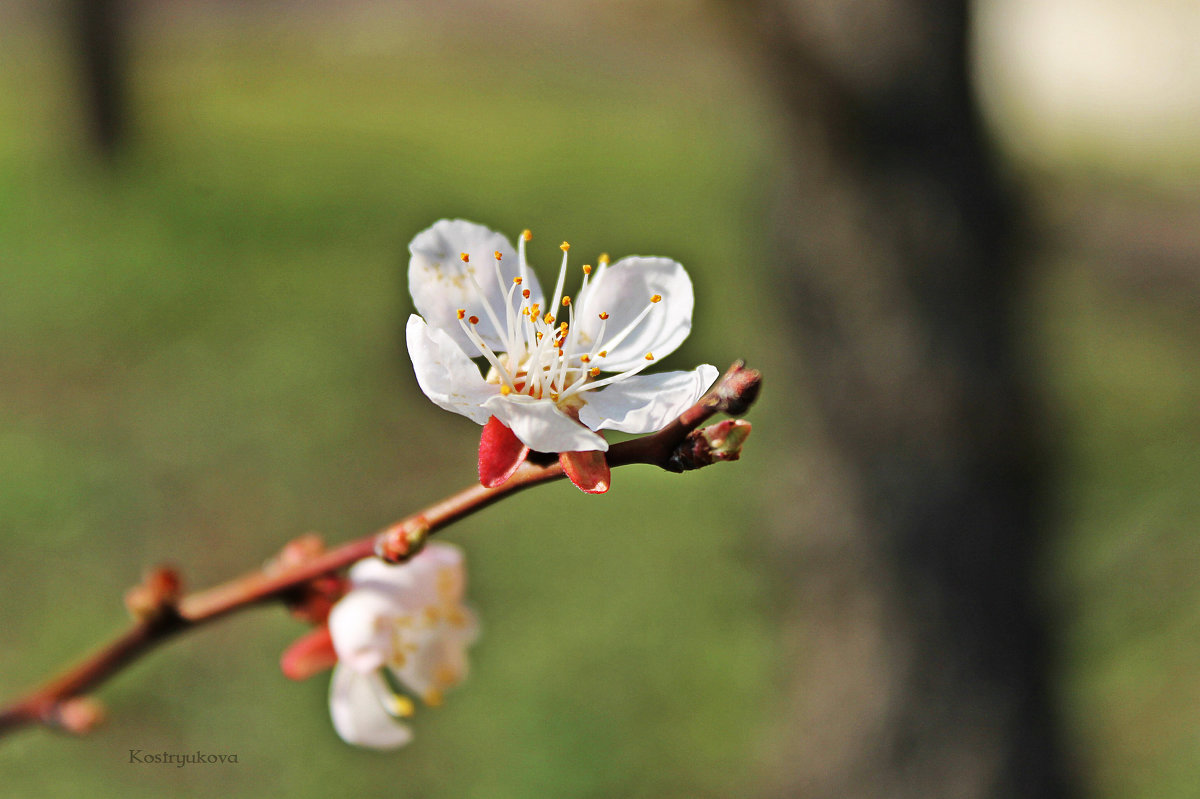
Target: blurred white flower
pixel 402 626
pixel 477 298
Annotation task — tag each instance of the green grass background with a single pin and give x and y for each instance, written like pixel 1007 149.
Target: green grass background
pixel 201 356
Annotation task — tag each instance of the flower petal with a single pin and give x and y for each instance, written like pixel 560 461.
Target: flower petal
pixel 439 282
pixel 645 403
pixel 445 373
pixel 541 425
pixel 361 641
pixel 623 291
pixel 358 713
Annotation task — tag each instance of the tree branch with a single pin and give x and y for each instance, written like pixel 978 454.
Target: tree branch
pixel 161 613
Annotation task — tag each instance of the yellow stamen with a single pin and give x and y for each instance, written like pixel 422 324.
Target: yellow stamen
pixel 498 255
pixel 548 318
pixel 603 259
pixel 527 234
pixel 505 390
pixel 525 293
pixel 465 258
pixel 564 246
pixel 518 280
pixel 656 298
pixel 587 270
pixel 566 301
pixel 602 353
pixel 604 314
pixel 649 356
pixel 594 371
pixel 473 320
pixel 462 313
pixel 585 358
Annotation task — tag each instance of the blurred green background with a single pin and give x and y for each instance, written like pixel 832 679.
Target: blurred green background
pixel 201 357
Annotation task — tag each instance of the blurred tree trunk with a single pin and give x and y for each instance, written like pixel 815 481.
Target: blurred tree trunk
pixel 923 665
pixel 97 33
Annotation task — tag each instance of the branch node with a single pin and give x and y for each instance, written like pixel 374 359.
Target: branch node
pixel 718 442
pixel 310 601
pixel 402 541
pixel 156 596
pixel 78 715
pixel 738 389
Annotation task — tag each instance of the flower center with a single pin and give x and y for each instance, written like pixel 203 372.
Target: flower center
pixel 544 355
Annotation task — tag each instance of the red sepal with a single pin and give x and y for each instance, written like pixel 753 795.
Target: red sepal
pixel 500 453
pixel 310 654
pixel 588 470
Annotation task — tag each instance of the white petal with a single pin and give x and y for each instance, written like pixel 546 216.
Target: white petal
pixel 361 641
pixel 445 373
pixel 358 713
pixel 645 403
pixel 542 426
pixel 438 573
pixel 380 574
pixel 439 283
pixel 439 662
pixel 622 292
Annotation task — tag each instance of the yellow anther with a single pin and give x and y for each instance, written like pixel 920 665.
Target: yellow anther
pixel 585 358
pixel 400 706
pixel 548 318
pixel 649 356
pixel 473 320
pixel 518 280
pixel 566 301
pixel 505 390
pixel 465 258
pixel 603 259
pixel 587 269
pixel 525 293
pixel 594 371
pixel 539 336
pixel 564 246
pixel 602 353
pixel 656 298
pixel 527 234
pixel 604 314
pixel 462 313
pixel 498 255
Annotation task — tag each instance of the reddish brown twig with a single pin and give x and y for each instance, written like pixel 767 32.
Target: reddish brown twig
pixel 161 613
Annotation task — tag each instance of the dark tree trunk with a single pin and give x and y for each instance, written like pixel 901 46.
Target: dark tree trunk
pixel 923 659
pixel 97 28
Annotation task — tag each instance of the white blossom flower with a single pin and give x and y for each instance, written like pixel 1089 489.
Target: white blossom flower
pixel 401 626
pixel 477 298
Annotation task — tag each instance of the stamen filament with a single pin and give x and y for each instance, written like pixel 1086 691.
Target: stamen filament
pixel 486 352
pixel 576 389
pixel 487 306
pixel 617 339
